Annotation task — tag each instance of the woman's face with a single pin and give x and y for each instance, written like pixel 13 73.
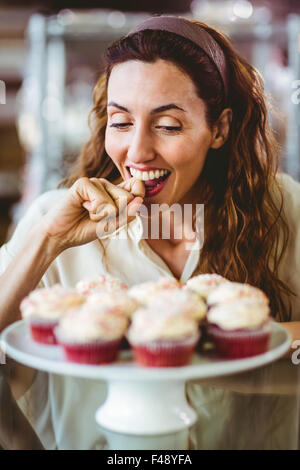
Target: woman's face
pixel 157 122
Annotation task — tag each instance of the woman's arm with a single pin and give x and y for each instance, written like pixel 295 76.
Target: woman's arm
pixel 86 211
pixel 23 275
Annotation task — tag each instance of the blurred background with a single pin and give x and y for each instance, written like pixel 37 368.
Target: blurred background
pixel 50 58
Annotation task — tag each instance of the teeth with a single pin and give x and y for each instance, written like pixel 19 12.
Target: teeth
pixel 147 175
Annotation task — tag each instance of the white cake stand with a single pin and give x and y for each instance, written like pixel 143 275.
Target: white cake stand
pixel 145 408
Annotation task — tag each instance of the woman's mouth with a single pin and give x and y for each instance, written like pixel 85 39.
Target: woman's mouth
pixel 154 180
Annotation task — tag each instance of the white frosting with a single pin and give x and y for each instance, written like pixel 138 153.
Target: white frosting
pixel 118 300
pixel 147 290
pixel 204 284
pixel 90 323
pixel 179 301
pixel 100 283
pixel 149 325
pixel 242 313
pixel 233 291
pixel 50 303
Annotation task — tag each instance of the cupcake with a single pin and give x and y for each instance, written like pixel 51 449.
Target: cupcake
pixel 147 290
pixel 91 334
pixel 118 300
pixel 162 338
pixel 100 283
pixel 181 301
pixel 204 284
pixel 240 328
pixel 43 308
pixel 230 291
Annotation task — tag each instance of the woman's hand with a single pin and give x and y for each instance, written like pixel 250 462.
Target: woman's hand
pixel 92 208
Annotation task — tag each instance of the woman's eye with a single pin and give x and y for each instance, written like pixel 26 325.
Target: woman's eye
pixel 120 125
pixel 124 125
pixel 169 128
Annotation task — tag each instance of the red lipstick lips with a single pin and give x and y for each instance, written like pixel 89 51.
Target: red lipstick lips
pixel 153 189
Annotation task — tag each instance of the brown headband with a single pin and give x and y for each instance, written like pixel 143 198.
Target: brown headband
pixel 194 33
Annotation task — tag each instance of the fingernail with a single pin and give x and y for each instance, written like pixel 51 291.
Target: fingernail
pixel 136 187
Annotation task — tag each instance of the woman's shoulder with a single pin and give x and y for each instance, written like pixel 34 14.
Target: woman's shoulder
pixel 46 200
pixel 290 190
pixel 289 266
pixel 39 206
pixel 290 187
pixel 31 216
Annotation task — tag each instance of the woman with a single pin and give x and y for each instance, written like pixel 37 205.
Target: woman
pixel 175 98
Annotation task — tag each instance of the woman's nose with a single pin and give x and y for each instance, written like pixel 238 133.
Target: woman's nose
pixel 140 147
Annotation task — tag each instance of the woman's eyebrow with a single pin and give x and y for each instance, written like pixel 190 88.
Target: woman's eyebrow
pixel 160 109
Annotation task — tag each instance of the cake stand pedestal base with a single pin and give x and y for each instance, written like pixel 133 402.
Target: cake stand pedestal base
pixel 175 441
pixel 141 415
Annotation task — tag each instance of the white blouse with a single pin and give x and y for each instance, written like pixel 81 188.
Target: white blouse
pixel 61 409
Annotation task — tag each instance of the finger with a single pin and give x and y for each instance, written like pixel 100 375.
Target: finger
pixel 103 211
pixel 102 208
pixel 120 196
pixel 127 184
pixel 109 225
pixel 134 206
pixel 130 212
pixel 93 197
pixel 88 230
pixel 134 186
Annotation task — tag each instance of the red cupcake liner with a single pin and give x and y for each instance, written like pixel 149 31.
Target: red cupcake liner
pixel 165 353
pixel 97 352
pixel 43 332
pixel 241 343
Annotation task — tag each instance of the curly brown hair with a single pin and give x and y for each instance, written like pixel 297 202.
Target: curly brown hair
pixel 246 232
